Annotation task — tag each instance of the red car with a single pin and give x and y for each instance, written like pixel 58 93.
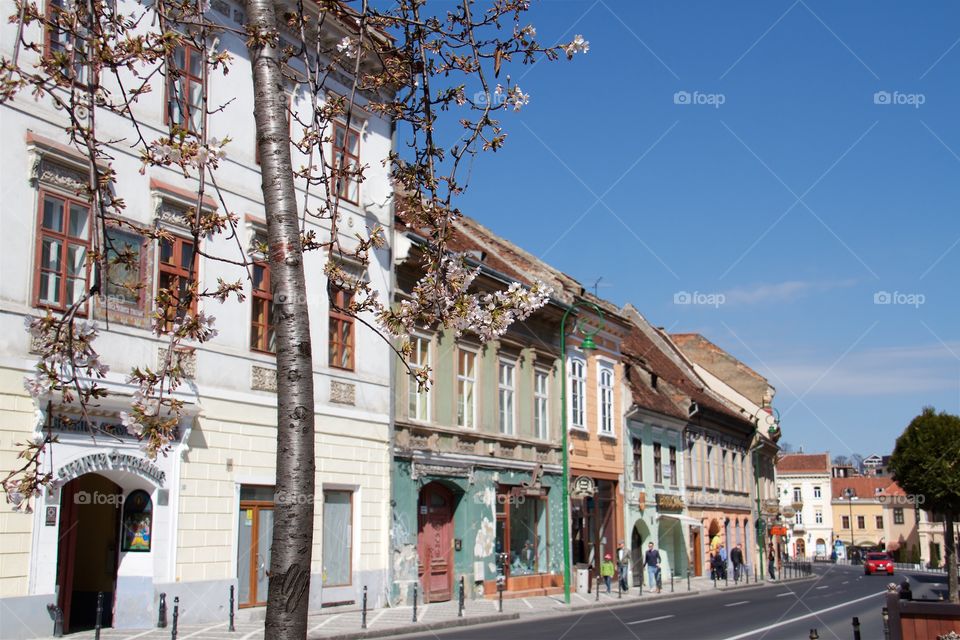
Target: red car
pixel 878 563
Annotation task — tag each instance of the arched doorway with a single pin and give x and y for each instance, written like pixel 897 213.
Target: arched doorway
pixel 88 552
pixel 638 543
pixel 821 547
pixel 435 542
pixel 800 548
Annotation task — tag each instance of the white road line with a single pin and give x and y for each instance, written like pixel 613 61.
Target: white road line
pixel 196 633
pixel 329 619
pixel 845 582
pixel 529 606
pixel 813 614
pixel 377 617
pixel 423 612
pixel 824 587
pixel 788 593
pixel 651 619
pixel 737 604
pixel 251 634
pixel 141 634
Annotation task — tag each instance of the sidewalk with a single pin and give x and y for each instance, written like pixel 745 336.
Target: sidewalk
pixel 345 624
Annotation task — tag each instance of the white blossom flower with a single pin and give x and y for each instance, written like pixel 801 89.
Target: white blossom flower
pixel 348 47
pixel 577 45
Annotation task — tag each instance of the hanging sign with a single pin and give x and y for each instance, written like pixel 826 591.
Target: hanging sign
pixel 583 487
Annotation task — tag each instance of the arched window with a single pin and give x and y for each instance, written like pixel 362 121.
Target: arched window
pixel 137 521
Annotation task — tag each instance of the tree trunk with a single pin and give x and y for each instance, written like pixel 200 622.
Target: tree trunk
pixel 289 589
pixel 950 551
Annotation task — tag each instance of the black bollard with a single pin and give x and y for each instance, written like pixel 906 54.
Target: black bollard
pixel 886 623
pixel 176 617
pixel 714 576
pixel 688 578
pixel 99 621
pixel 598 588
pixel 414 601
pixel 460 600
pixel 814 635
pixel 57 614
pixel 231 627
pixel 856 628
pixel 671 580
pixel 162 616
pixel 363 610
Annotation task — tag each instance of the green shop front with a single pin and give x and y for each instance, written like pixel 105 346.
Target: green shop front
pixel 491 522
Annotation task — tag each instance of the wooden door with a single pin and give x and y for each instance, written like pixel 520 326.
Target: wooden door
pixel 697 547
pixel 435 542
pixel 253 552
pixel 66 550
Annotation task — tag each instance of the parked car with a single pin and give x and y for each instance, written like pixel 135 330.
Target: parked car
pixel 878 563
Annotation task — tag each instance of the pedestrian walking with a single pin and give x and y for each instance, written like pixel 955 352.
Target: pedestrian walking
pixel 723 562
pixel 652 559
pixel 607 570
pixel 771 563
pixel 736 557
pixel 622 566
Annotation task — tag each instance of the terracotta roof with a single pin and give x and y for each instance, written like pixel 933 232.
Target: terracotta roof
pixel 684 339
pixel 893 489
pixel 804 463
pixel 864 487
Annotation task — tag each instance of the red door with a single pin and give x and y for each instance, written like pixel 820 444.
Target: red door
pixel 435 542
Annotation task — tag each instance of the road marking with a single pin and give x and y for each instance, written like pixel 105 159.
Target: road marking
pixel 331 619
pixel 845 582
pixel 529 606
pixel 803 617
pixel 824 587
pixel 376 617
pixel 788 593
pixel 140 635
pixel 651 619
pixel 196 633
pixel 737 604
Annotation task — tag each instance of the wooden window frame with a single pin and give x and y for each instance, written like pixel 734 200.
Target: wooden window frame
pixel 898 515
pixel 657 463
pixel 342 187
pixel 48 32
pixel 541 405
pixel 578 391
pixel 636 445
pixel 260 297
pixel 861 522
pixel 605 400
pixel 176 270
pixel 338 318
pixel 414 394
pixel 257 506
pixel 672 462
pixel 182 74
pixel 504 390
pixel 461 397
pixel 66 239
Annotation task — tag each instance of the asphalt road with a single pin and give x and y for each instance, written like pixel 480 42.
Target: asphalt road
pixel 778 612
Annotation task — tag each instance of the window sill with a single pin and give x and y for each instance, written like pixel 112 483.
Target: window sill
pixel 574 429
pixel 607 436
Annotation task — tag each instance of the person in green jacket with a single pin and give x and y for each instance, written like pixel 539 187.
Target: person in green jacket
pixel 607 570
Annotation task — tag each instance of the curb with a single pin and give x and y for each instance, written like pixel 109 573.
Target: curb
pixel 637 600
pixel 419 628
pixel 768 583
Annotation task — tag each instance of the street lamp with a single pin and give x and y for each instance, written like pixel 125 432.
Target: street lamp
pixel 849 493
pixel 587 344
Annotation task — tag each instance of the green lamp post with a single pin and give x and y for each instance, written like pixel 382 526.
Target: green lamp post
pixel 586 344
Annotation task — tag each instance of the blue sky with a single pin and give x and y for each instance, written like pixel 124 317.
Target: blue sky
pixel 783 212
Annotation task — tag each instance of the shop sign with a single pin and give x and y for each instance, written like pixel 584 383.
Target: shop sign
pixel 642 501
pixel 81 426
pixel 113 461
pixel 778 530
pixel 583 487
pixel 669 502
pixel 771 507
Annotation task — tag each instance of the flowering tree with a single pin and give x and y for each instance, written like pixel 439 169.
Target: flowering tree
pixel 409 64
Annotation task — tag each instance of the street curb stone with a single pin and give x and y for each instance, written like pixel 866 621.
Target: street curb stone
pixel 417 628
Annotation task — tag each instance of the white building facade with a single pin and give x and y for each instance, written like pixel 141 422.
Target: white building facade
pixel 803 483
pixel 197 521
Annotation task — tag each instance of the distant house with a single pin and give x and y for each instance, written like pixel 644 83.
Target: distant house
pixel 803 481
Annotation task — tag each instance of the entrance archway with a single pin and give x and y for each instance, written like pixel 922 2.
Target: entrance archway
pixel 639 538
pixel 88 551
pixel 800 548
pixel 435 542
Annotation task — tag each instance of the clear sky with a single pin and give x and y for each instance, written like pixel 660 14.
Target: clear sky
pixel 740 153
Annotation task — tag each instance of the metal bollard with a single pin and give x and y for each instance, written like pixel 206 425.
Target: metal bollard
pixel 176 617
pixel 500 593
pixel 856 628
pixel 598 588
pixel 414 601
pixel 688 578
pixel 460 600
pixel 162 616
pixel 231 627
pixel 814 635
pixel 363 610
pixel 57 614
pixel 671 580
pixel 886 623
pixel 99 621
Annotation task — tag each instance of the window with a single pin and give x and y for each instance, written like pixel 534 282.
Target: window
pixel 178 272
pixel 637 460
pixel 577 393
pixel 845 522
pixel 123 254
pixel 898 515
pixel 799 517
pixel 505 397
pixel 419 398
pixel 346 159
pixel 818 516
pixel 541 405
pixel 63 242
pixel 606 400
pixel 816 491
pixel 693 462
pixel 337 538
pixel 263 335
pixel 137 521
pixel 673 466
pixel 724 469
pixel 522 531
pixel 185 89
pixel 341 329
pixel 711 473
pixel 657 463
pixel 861 522
pixel 797 495
pixel 466 386
pixel 61 44
pixel 879 522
